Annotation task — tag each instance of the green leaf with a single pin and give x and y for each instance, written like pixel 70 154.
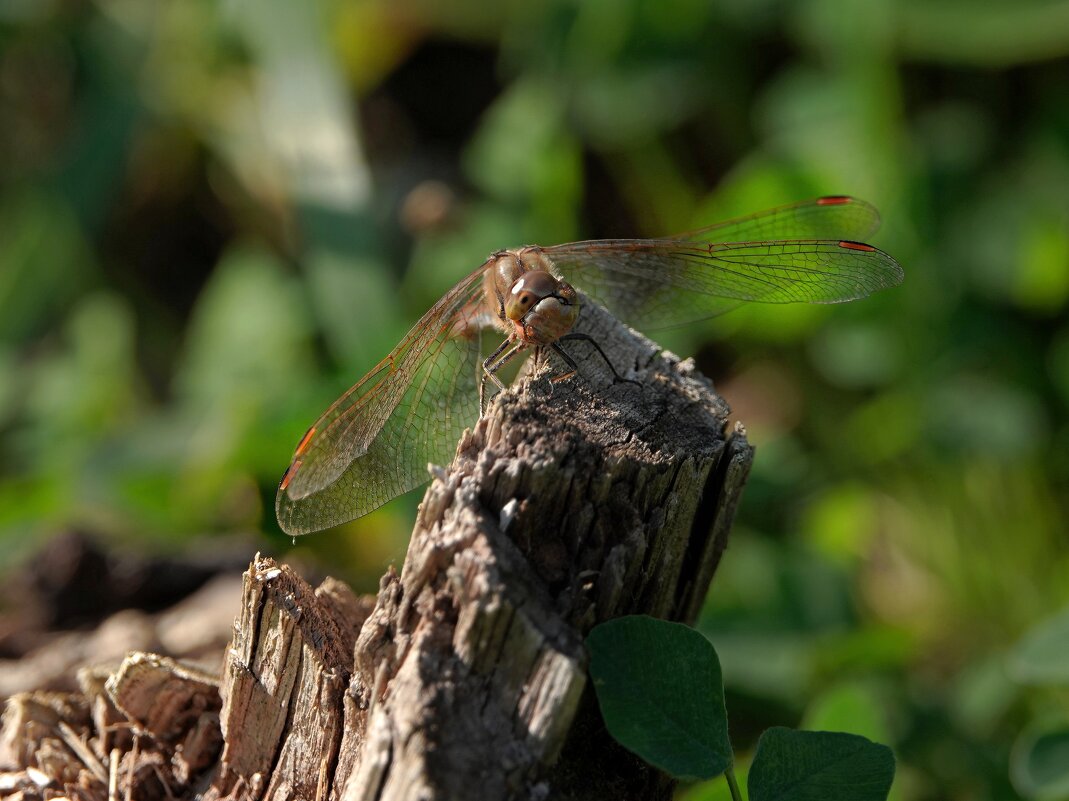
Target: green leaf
pixel 1042 655
pixel 819 766
pixel 1039 766
pixel 661 693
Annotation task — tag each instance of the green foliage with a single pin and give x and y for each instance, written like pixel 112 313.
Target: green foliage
pixel 1042 656
pixel 1040 764
pixel 850 706
pixel 661 694
pixel 818 765
pixel 214 218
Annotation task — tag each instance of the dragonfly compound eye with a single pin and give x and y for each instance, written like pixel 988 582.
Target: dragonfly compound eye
pixel 519 304
pixel 527 291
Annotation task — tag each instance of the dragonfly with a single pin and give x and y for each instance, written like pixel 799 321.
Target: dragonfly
pixel 375 442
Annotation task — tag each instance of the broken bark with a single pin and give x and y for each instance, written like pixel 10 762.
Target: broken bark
pixel 569 503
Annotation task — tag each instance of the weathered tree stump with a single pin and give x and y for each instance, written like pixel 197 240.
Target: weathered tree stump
pixel 569 503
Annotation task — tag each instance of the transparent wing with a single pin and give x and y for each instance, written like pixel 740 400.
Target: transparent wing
pixel 374 443
pixel 830 217
pixel 657 283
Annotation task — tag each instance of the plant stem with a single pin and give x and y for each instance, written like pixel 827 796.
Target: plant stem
pixel 729 774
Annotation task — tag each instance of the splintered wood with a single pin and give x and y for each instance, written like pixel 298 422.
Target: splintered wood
pixel 152 726
pixel 569 503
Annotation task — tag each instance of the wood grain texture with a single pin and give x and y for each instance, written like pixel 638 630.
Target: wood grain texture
pixel 571 502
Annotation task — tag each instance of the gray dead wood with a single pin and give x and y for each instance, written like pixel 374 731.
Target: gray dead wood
pixel 569 503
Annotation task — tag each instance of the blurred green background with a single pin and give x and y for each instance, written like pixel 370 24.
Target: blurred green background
pixel 214 217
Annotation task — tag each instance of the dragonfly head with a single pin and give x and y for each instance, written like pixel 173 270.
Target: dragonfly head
pixel 542 306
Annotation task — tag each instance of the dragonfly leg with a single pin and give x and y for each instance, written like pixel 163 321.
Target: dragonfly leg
pixel 489 370
pixel 540 358
pixel 567 360
pixel 577 335
pixel 494 362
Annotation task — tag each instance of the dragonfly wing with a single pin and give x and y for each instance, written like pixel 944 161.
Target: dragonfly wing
pixel 830 217
pixel 666 282
pixel 374 443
